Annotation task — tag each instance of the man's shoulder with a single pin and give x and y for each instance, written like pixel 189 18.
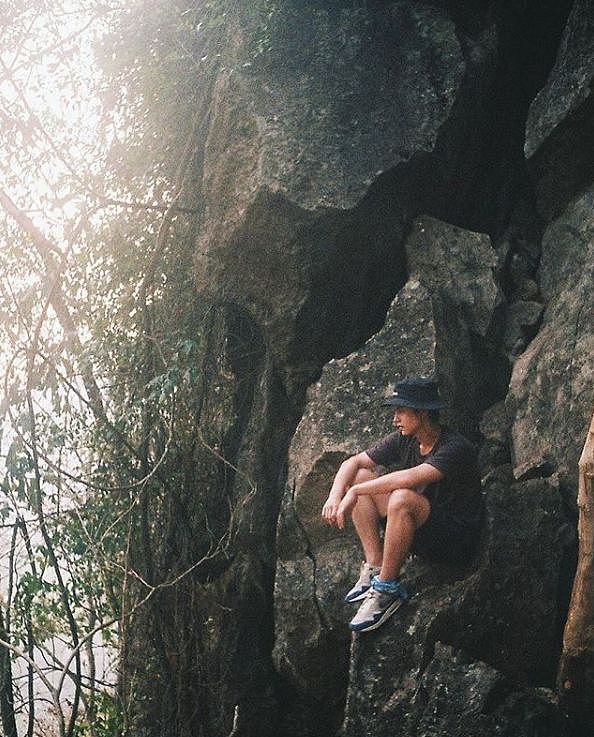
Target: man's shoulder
pixel 455 442
pixel 391 440
pixel 385 450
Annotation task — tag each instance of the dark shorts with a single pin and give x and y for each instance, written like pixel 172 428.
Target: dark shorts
pixel 446 539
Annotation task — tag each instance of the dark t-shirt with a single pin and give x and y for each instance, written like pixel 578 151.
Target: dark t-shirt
pixel 459 491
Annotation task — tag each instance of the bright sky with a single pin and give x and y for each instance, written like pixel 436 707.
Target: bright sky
pixel 49 118
pixel 46 78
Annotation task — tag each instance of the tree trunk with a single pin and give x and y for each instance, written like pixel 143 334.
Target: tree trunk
pixel 576 670
pixel 6 695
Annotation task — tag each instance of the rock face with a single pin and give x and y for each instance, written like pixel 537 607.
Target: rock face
pixel 287 181
pixel 369 215
pixel 551 392
pixel 316 563
pixel 378 86
pixel 343 415
pixel 459 698
pixel 479 615
pixel 457 267
pixel 559 137
pixel 451 292
pixel 568 87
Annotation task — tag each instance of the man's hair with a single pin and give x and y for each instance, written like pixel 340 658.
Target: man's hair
pixel 433 416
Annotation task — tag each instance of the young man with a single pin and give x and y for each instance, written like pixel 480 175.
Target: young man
pixel 432 505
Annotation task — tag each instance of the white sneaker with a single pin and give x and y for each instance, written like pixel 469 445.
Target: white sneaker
pixel 360 589
pixel 377 608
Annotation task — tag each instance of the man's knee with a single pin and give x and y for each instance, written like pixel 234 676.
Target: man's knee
pixel 409 502
pixel 364 474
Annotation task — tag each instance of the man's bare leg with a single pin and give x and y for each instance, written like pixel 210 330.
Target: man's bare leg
pixel 406 511
pixel 366 518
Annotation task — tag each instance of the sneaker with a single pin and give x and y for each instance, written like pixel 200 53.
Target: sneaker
pixel 360 589
pixel 378 607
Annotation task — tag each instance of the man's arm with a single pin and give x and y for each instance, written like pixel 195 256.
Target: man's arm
pixel 409 478
pixel 416 478
pixel 343 481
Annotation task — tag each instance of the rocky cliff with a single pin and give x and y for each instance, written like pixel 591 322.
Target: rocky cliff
pixel 393 189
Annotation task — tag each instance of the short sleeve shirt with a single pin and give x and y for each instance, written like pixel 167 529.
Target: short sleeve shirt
pixel 459 491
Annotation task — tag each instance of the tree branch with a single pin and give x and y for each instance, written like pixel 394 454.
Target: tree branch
pixel 46 249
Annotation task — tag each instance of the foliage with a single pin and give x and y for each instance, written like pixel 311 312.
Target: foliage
pixel 104 349
pixel 107 721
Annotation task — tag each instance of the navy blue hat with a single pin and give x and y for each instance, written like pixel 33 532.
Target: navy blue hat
pixel 415 393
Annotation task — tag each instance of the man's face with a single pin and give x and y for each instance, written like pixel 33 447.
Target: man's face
pixel 406 420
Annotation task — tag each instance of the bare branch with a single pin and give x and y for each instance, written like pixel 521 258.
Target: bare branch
pixel 46 248
pixel 54 693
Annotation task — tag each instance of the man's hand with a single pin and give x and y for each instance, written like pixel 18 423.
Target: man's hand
pixel 346 476
pixel 345 507
pixel 330 508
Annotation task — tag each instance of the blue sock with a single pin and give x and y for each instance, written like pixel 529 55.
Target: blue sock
pixel 387 587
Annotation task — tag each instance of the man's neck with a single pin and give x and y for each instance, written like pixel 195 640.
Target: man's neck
pixel 427 436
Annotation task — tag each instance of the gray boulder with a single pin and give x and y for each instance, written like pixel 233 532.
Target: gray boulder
pixel 321 111
pixel 552 387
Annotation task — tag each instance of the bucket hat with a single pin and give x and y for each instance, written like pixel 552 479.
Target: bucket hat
pixel 416 394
